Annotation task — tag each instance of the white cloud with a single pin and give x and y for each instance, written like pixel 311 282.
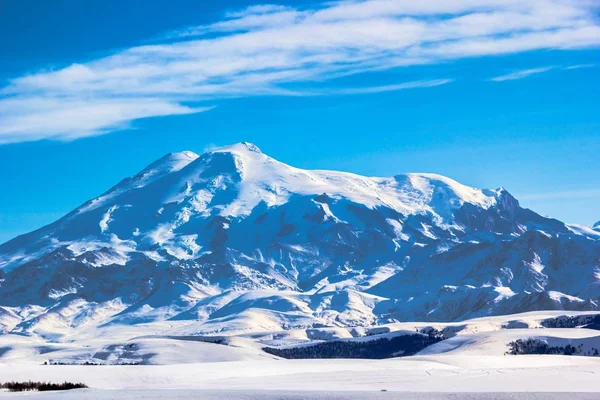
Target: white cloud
pixel 268 48
pixel 257 10
pixel 521 74
pixel 524 73
pixel 38 118
pixel 579 66
pixel 392 88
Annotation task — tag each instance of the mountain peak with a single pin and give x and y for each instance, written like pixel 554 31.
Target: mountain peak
pixel 596 226
pixel 241 147
pixel 172 161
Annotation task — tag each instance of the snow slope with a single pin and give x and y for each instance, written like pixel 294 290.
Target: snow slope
pixel 234 241
pixel 471 361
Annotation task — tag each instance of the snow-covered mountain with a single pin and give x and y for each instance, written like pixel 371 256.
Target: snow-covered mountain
pixel 234 240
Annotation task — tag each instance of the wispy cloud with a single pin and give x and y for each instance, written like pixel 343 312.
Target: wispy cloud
pixel 521 74
pixel 524 73
pixel 579 66
pixel 391 88
pixel 264 49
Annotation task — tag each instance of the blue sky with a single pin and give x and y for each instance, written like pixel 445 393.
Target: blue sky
pixel 503 93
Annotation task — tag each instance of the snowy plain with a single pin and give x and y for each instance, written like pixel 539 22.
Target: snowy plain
pixel 315 378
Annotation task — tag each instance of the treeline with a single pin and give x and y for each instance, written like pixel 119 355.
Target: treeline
pixel 583 321
pixel 40 386
pixel 536 346
pixel 398 346
pixel 89 363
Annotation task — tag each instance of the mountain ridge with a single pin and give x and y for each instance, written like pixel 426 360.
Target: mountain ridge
pixel 235 240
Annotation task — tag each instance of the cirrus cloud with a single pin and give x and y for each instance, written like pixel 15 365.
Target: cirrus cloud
pixel 521 74
pixel 266 49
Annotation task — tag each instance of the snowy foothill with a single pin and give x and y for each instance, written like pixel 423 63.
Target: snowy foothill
pixel 146 360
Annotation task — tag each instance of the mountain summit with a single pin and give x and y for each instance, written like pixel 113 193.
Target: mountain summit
pixel 235 240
